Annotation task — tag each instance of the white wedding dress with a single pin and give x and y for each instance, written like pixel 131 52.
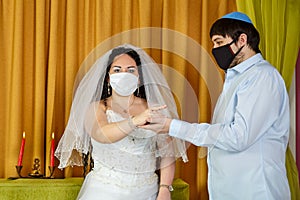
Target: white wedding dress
pixel 124 169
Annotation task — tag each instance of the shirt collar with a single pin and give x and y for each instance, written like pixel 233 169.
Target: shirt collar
pixel 243 66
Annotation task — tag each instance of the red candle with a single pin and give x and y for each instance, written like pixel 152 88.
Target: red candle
pixel 21 150
pixel 52 151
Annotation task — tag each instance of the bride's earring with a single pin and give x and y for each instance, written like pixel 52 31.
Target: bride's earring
pixel 108 88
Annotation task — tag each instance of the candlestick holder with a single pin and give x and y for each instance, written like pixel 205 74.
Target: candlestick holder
pixel 36 169
pixel 19 168
pixel 51 168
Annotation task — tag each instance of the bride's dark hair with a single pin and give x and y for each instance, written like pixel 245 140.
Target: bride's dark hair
pixel 140 91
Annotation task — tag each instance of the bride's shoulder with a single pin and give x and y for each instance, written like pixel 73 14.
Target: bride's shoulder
pixel 99 105
pixel 141 103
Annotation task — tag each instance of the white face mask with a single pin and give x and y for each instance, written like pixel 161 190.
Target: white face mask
pixel 123 83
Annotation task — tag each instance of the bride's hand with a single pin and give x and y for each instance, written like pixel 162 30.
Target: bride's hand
pixel 146 116
pixel 156 121
pixel 164 195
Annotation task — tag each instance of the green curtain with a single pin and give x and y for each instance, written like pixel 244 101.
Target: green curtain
pixel 278 24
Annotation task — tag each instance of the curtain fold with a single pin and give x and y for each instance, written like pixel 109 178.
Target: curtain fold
pixel 280 43
pixel 22 90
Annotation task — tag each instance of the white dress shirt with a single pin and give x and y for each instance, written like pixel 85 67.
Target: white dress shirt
pixel 248 137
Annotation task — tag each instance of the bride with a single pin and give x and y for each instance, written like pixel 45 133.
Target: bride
pixel 107 110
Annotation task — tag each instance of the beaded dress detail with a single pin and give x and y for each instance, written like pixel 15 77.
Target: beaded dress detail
pixel 126 165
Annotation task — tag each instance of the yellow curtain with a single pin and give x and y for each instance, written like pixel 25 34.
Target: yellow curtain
pixel 23 77
pixel 43 44
pixel 278 24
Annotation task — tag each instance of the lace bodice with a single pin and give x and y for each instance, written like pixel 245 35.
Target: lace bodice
pixel 133 154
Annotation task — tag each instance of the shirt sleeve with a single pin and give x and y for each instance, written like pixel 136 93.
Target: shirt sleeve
pixel 199 134
pixel 260 108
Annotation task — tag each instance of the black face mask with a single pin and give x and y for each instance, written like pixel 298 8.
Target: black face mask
pixel 224 55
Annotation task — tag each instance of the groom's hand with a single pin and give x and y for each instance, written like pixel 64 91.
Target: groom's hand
pixel 156 121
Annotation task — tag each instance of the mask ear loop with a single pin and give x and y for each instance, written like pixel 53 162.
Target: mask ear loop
pixel 239 50
pixel 235 40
